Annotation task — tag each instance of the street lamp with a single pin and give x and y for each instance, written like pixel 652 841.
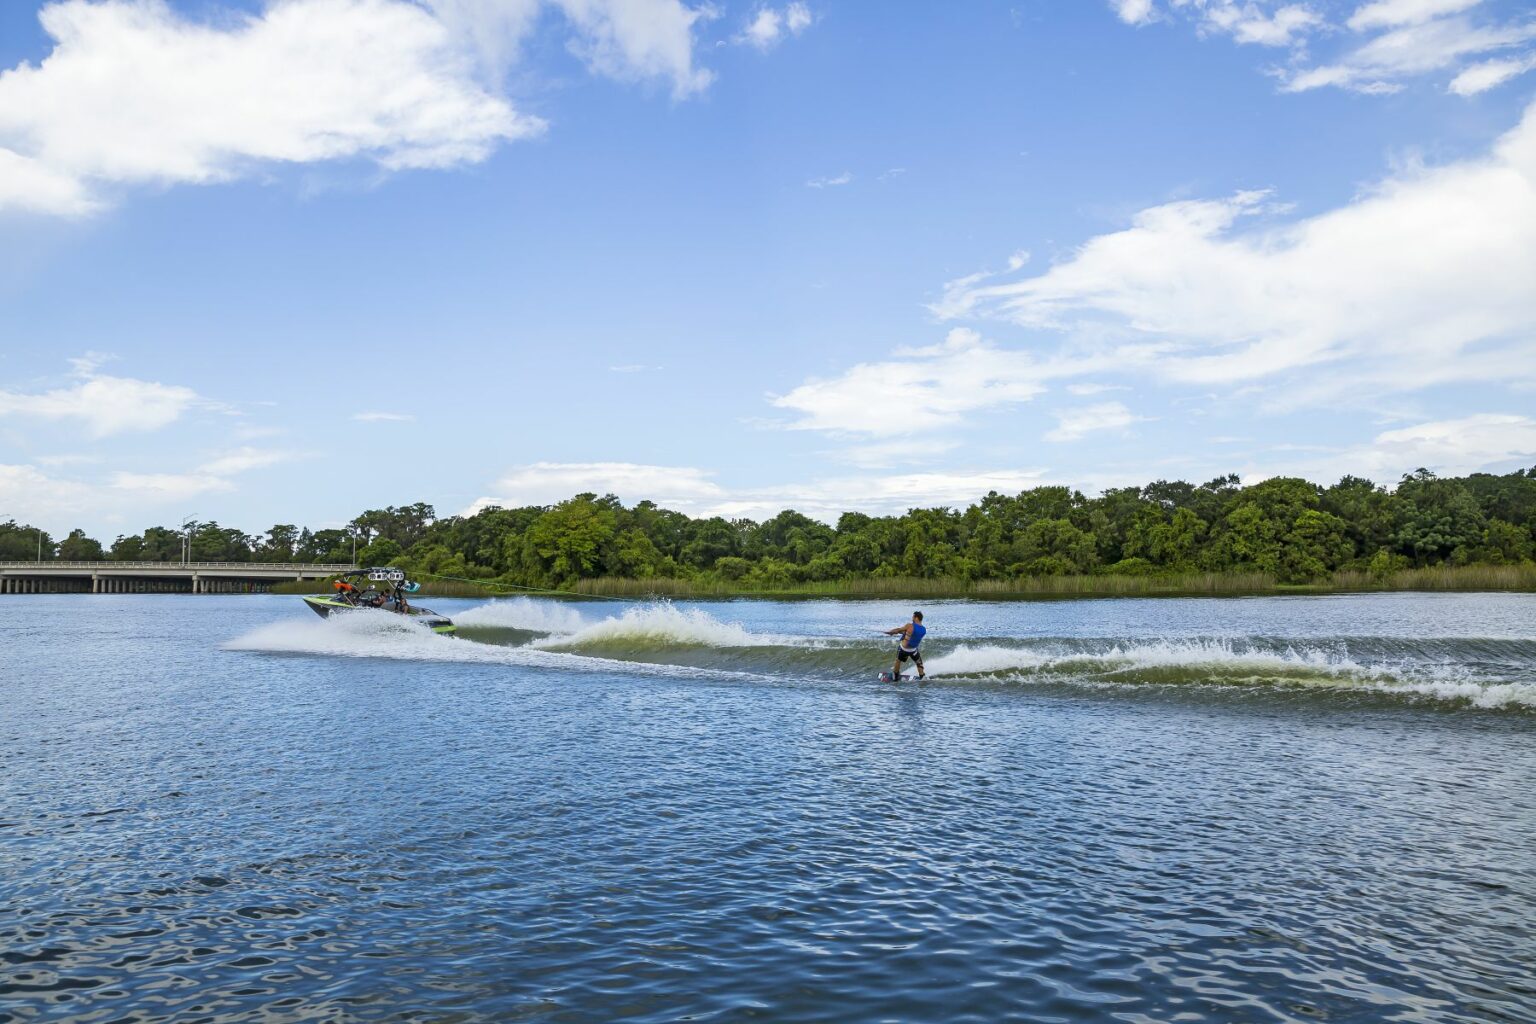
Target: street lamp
pixel 186 537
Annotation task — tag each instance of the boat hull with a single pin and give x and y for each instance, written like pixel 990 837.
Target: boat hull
pixel 327 606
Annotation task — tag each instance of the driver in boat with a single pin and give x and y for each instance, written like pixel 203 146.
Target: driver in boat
pixel 912 634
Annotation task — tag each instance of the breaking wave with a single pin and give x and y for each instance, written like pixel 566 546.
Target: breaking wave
pixel 662 638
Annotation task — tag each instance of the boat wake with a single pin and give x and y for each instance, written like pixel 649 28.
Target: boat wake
pixel 662 638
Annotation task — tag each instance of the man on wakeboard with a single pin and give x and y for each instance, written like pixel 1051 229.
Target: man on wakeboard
pixel 911 637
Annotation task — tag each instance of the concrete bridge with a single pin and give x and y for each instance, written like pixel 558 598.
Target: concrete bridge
pixel 155 577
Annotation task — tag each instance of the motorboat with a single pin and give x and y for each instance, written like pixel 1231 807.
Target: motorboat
pixel 383 590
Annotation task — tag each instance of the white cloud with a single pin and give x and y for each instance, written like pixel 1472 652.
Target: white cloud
pixel 544 483
pixel 881 494
pixel 1459 446
pixel 691 490
pixel 770 26
pixel 31 185
pixel 135 93
pixel 1072 424
pixel 1133 12
pixel 921 389
pixel 1402 39
pixel 1095 389
pixel 1484 442
pixel 67 459
pixel 162 487
pixel 1490 74
pixel 1246 23
pixel 841 179
pixel 383 417
pixel 638 39
pixel 1424 280
pixel 1391 13
pixel 906 452
pixel 242 459
pixel 1381 64
pixel 105 405
pixel 29 495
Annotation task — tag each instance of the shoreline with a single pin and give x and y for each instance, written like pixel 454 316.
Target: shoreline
pixel 1441 579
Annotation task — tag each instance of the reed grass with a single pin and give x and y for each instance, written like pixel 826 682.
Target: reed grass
pixel 915 587
pixel 1442 577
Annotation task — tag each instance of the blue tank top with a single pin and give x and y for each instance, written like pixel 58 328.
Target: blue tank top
pixel 916 636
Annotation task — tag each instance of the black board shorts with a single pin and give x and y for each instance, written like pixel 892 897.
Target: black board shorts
pixel 903 655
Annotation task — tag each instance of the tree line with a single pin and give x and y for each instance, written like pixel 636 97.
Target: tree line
pixel 1295 530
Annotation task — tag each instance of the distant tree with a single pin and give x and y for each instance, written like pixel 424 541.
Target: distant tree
pixel 1442 521
pixel 381 551
pixel 279 545
pixel 21 542
pixel 77 547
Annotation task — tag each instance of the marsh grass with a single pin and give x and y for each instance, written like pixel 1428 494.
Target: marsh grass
pixel 1442 577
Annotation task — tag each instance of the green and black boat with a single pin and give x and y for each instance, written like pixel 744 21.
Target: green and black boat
pixel 387 591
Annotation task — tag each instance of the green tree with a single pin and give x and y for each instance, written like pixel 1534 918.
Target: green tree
pixel 1505 544
pixel 21 543
pixel 1442 521
pixel 1277 527
pixel 77 547
pixel 381 551
pixel 1053 547
pixel 569 540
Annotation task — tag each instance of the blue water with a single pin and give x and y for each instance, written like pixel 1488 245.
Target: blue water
pixel 1278 809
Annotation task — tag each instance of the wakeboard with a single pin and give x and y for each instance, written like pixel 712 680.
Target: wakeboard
pixel 886 677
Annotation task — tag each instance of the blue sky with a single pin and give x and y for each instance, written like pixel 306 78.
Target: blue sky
pixel 281 261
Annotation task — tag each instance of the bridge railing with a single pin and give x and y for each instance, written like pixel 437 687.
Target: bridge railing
pixel 55 563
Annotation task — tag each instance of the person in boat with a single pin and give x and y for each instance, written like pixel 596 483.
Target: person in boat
pixel 911 634
pixel 346 591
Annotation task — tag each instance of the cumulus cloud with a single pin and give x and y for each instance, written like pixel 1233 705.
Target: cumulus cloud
pixel 1377 48
pixel 136 93
pixel 1134 12
pixel 104 405
pixel 28 494
pixel 770 26
pixel 1072 424
pixel 1484 442
pixel 921 389
pixel 543 483
pixel 691 490
pixel 638 39
pixel 1425 279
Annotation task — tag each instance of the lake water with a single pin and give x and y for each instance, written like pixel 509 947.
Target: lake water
pixel 1258 809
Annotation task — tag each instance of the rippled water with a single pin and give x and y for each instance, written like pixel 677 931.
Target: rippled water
pixel 1268 809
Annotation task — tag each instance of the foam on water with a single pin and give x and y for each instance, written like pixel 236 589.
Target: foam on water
pixel 523 613
pixel 397 639
pixel 662 638
pixel 1225 662
pixel 660 625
